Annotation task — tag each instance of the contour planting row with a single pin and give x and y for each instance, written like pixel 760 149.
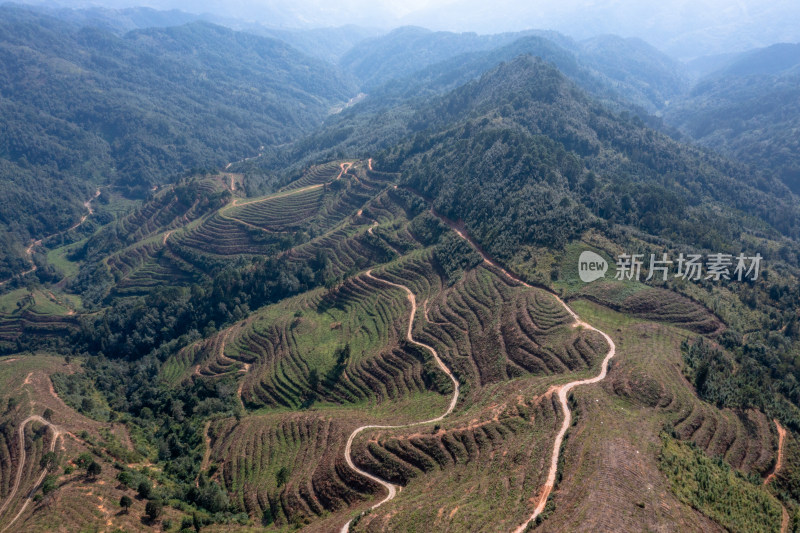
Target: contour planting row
pixel 340 253
pixel 223 235
pixel 669 306
pixel 12 328
pixel 316 175
pixel 176 368
pixel 347 348
pixel 320 207
pixel 496 460
pixel 218 363
pixel 367 317
pixel 352 247
pixel 162 270
pixel 37 441
pixel 138 269
pixel 168 211
pixel 288 470
pixel 490 329
pixel 121 264
pixel 226 234
pixel 339 204
pixel 399 458
pixel 384 209
pixel 419 274
pixel 10 331
pixel 283 213
pixel 746 439
pixel 655 304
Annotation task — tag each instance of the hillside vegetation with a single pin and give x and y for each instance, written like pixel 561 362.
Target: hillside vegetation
pixel 377 323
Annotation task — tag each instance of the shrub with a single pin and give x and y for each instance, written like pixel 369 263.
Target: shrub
pixel 94 469
pixel 145 489
pixel 153 509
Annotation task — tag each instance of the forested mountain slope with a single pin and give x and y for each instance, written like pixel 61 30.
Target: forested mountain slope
pixel 749 110
pixel 82 107
pixel 387 114
pixel 528 163
pixel 405 50
pixel 325 43
pixel 525 102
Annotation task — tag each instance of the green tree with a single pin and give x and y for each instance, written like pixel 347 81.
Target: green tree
pixel 84 460
pixel 87 405
pixel 49 461
pixel 12 404
pixel 94 469
pixel 49 484
pixel 125 478
pixel 125 502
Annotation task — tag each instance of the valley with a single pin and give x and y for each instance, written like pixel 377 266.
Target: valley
pixel 250 284
pixel 278 360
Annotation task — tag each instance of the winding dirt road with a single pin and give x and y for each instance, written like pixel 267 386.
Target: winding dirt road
pixel 29 250
pixel 57 432
pixel 562 390
pixel 779 460
pixel 260 153
pixel 89 212
pixel 390 487
pixel 776 469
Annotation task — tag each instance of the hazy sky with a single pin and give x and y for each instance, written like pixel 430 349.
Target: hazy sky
pixel 684 28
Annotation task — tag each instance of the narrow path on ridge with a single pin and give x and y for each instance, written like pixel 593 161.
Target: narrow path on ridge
pixel 779 460
pixel 390 487
pixel 776 469
pixel 206 452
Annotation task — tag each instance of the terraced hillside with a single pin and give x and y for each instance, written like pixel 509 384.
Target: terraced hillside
pixel 268 225
pixel 343 346
pixel 287 468
pixel 64 496
pixel 188 232
pixel 401 381
pixel 35 312
pixel 645 393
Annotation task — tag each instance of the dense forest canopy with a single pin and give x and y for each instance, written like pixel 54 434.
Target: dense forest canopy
pixel 749 110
